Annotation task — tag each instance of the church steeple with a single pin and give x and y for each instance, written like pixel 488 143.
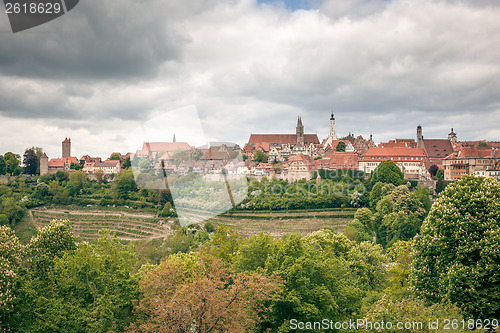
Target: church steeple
pixel 299 131
pixel 174 140
pixel 333 135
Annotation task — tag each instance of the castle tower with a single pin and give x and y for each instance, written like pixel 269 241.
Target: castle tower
pixel 420 137
pixel 44 164
pixel 66 148
pixel 452 136
pixel 174 140
pixel 332 135
pixel 299 131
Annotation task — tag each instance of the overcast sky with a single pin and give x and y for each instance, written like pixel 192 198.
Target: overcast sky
pixel 384 67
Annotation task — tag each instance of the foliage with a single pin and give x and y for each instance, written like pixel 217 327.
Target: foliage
pixel 51 241
pixel 225 243
pixel 253 252
pixel 409 311
pixel 11 210
pixel 341 146
pixel 326 276
pixel 3 166
pixel 197 154
pixel 433 169
pixel 126 163
pixel 398 214
pixel 458 250
pixel 85 289
pixel 125 184
pixel 75 166
pixel 31 162
pixel 440 174
pixel 211 296
pixel 10 261
pixel 114 157
pixel 259 157
pixel 388 172
pixel 13 163
pixel 441 185
pixel 356 231
pixel 400 255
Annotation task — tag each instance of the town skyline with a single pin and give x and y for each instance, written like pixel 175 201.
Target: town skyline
pixel 54 150
pixel 251 66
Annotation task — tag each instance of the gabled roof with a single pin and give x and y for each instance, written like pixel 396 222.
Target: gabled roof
pixel 471 152
pixel 437 148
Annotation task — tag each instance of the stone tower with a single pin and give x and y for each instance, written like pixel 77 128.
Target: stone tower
pixel 44 164
pixel 66 148
pixel 452 136
pixel 299 131
pixel 420 138
pixel 332 135
pixel 174 139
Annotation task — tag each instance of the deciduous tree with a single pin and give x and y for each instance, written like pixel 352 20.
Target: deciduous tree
pixel 388 172
pixel 198 293
pixel 458 249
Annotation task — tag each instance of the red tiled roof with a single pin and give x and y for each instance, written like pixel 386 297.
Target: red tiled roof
pixel 471 152
pixel 166 146
pixel 66 140
pixel 61 162
pixel 395 151
pixel 281 138
pixel 338 160
pixel 438 148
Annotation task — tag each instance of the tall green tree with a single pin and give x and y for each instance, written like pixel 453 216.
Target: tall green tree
pixel 84 288
pixel 13 163
pixel 3 166
pixel 458 249
pixel 388 172
pixel 125 184
pixel 30 162
pixel 259 156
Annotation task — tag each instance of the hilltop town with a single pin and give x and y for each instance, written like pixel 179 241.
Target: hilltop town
pixel 297 156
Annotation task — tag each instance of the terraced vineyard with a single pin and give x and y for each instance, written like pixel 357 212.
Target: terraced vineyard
pixel 86 224
pixel 279 223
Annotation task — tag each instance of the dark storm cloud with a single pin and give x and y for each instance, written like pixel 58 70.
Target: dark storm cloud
pixel 115 39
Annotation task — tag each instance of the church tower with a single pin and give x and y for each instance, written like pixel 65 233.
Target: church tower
pixel 420 138
pixel 174 140
pixel 299 131
pixel 66 148
pixel 452 136
pixel 332 135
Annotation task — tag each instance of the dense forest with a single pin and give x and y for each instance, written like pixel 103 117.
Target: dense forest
pixel 402 259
